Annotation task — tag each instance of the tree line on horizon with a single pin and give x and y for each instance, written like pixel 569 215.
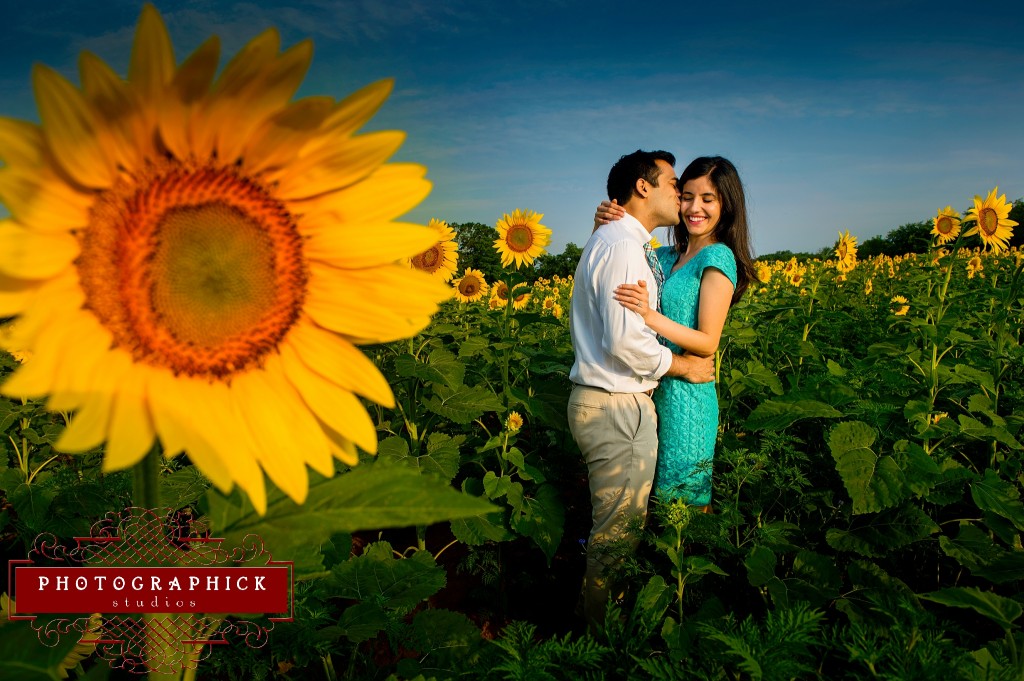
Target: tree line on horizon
pixel 476 248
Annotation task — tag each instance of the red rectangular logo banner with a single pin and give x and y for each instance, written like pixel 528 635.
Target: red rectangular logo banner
pixel 262 590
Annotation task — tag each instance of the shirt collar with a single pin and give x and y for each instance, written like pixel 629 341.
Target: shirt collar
pixel 636 229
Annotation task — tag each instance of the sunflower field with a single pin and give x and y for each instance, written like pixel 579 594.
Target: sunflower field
pixel 867 480
pixel 199 318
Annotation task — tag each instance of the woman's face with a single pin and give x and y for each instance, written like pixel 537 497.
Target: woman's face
pixel 700 208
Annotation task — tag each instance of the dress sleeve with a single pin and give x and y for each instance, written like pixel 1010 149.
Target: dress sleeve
pixel 721 258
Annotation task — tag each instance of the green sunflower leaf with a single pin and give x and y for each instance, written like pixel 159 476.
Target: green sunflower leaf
pixel 779 415
pixel 367 498
pixel 463 404
pixel 998 496
pixel 1002 611
pixel 873 482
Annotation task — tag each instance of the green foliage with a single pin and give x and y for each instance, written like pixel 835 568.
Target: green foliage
pixel 562 265
pixel 867 497
pixel 523 658
pixel 476 248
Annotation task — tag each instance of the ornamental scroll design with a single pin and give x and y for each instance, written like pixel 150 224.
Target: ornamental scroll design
pixel 142 537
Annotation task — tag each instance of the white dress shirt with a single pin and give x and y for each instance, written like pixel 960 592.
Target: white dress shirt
pixel 614 349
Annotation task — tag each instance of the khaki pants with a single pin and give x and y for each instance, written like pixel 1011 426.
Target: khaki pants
pixel 618 435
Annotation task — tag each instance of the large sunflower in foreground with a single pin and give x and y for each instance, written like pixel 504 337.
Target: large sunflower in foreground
pixel 521 238
pixel 993 223
pixel 441 259
pixel 946 225
pixel 194 260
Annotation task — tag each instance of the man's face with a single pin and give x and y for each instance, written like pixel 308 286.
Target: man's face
pixel 664 198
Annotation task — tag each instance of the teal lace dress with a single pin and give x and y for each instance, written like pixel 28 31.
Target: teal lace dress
pixel 687 412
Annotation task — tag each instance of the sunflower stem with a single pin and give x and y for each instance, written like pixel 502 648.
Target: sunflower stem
pixel 146 482
pixel 146 494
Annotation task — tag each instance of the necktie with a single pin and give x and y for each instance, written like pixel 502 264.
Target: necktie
pixel 659 274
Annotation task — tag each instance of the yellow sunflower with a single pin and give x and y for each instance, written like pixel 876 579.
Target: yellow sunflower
pixel 946 225
pixel 471 287
pixel 441 259
pixel 549 303
pixel 514 422
pixel 521 238
pixel 846 252
pixel 195 259
pixel 520 300
pixel 975 267
pixel 556 311
pixel 868 287
pixel 902 307
pixel 764 273
pixel 993 223
pixel 500 291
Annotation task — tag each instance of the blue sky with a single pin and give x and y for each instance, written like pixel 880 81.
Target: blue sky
pixel 857 116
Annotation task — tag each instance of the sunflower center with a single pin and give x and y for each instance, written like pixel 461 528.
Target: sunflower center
pixel 469 286
pixel 429 260
pixel 988 220
pixel 944 225
pixel 194 269
pixel 519 238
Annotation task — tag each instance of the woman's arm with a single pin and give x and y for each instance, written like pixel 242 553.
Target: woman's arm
pixel 606 212
pixel 715 297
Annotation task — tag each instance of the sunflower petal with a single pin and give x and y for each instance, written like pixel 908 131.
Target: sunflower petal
pixel 306 432
pixel 354 111
pixel 390 191
pixel 271 93
pixel 88 427
pixel 188 86
pixel 131 426
pixel 15 295
pixel 21 142
pixel 337 166
pixel 231 434
pixel 341 447
pixel 152 60
pixel 112 100
pixel 360 245
pixel 169 397
pixel 350 301
pixel 338 360
pixel 332 404
pixel 258 406
pixel 279 140
pixel 41 204
pixel 70 129
pixel 33 255
pixel 36 378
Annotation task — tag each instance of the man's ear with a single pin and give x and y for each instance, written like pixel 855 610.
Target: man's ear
pixel 642 187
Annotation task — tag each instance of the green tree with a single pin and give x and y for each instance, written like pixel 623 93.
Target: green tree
pixel 913 237
pixel 562 264
pixel 476 248
pixel 874 246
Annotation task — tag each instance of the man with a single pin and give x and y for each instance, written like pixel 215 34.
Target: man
pixel 619 361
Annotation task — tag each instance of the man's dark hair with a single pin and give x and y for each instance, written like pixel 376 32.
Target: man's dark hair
pixel 630 168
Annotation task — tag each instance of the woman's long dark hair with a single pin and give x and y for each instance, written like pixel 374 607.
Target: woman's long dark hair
pixel 732 229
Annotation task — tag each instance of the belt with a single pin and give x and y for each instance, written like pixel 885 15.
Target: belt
pixel 649 393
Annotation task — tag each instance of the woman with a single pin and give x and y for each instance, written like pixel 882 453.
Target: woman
pixel 707 268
